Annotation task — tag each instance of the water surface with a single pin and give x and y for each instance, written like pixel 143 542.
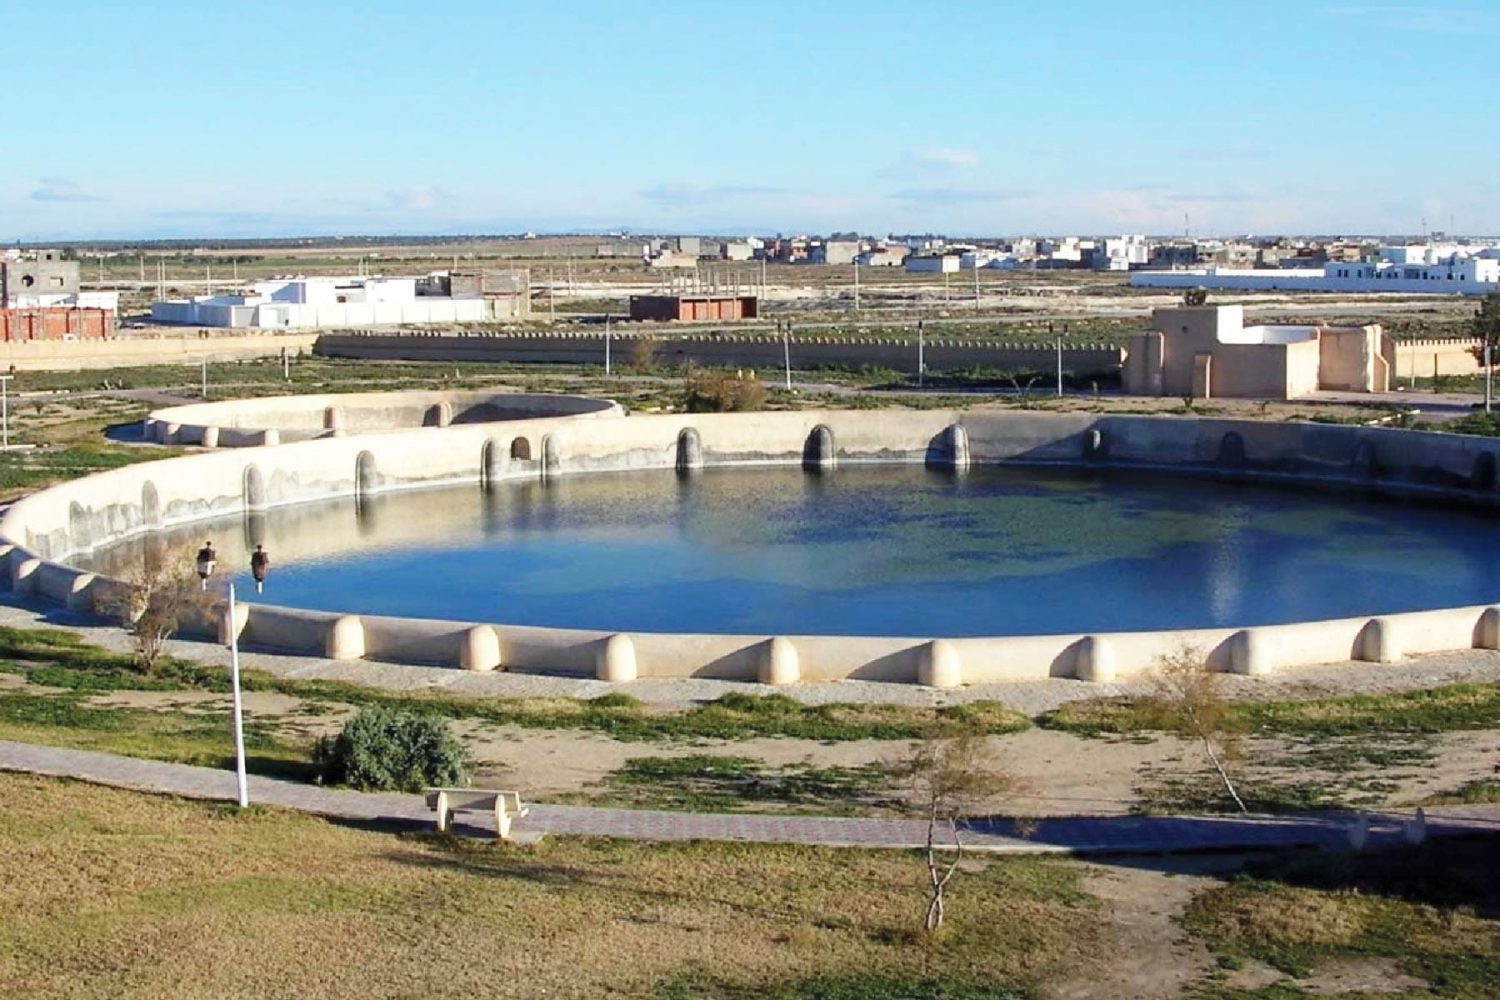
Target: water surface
pixel 872 551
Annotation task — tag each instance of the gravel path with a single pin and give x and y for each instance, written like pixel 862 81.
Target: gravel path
pixel 1029 697
pixel 1072 835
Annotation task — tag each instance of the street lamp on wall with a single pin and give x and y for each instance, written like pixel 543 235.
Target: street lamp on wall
pixel 207 560
pixel 260 565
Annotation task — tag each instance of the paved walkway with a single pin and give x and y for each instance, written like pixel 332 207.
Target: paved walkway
pixel 1072 835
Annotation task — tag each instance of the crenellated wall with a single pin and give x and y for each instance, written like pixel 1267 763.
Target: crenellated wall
pixel 43 530
pixel 897 352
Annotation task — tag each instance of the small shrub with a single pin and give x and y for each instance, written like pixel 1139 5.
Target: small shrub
pixel 387 749
pixel 715 393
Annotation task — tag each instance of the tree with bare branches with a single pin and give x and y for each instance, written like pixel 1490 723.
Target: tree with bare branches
pixel 1186 700
pixel 951 775
pixel 156 597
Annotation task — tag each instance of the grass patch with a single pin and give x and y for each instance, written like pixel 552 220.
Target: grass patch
pixel 62 659
pixel 146 895
pixel 1452 708
pixel 199 738
pixel 1432 909
pixel 716 783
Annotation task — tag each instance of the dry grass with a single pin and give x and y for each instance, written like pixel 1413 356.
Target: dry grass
pixel 112 893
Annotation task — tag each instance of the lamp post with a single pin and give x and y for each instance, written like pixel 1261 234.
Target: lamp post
pixel 241 782
pixel 206 562
pixel 260 565
pixel 5 410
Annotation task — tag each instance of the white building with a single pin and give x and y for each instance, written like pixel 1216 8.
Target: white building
pixel 290 303
pixel 941 264
pixel 1121 254
pixel 1455 276
pixel 887 256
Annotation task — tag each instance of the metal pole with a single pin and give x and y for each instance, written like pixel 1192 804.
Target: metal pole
pixel 856 286
pixel 5 409
pixel 921 354
pixel 763 273
pixel 1489 378
pixel 606 343
pixel 976 284
pixel 786 351
pixel 1059 367
pixel 551 299
pixel 239 724
pixel 204 391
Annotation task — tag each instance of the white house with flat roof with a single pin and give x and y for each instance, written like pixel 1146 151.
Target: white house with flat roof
pixel 291 303
pixel 1456 275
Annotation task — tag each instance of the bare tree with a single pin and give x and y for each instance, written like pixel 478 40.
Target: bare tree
pixel 951 775
pixel 154 598
pixel 1186 701
pixel 643 355
pixel 1024 391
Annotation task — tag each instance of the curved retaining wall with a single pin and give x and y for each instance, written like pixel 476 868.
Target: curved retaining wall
pixel 45 528
pixel 278 419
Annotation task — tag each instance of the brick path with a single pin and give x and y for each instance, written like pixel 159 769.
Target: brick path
pixel 1075 835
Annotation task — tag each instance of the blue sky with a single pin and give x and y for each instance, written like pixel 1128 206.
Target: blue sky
pixel 158 119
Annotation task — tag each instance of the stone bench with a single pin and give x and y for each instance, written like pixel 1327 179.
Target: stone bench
pixel 447 801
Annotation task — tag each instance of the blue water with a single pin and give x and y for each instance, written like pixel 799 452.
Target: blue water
pixel 873 551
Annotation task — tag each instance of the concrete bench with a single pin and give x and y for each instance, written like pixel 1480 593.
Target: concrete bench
pixel 447 801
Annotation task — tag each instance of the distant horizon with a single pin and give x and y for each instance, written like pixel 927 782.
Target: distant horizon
pixel 186 121
pixel 376 239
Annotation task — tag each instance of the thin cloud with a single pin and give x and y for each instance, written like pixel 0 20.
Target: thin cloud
pixel 676 195
pixel 1413 17
pixel 413 198
pixel 58 189
pixel 952 195
pixel 958 159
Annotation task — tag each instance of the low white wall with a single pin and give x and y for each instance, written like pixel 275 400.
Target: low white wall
pixel 40 531
pixel 244 422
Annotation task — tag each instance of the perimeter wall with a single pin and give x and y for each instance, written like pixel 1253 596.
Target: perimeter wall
pixel 42 530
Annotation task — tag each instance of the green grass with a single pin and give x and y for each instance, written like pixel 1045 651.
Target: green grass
pixel 717 783
pixel 60 659
pixel 145 896
pixel 201 739
pixel 1431 909
pixel 858 986
pixel 1452 708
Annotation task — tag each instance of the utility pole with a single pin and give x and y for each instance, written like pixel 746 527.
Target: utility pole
pixel 551 299
pixel 976 284
pixel 1059 368
pixel 762 273
pixel 786 351
pixel 921 354
pixel 1489 377
pixel 204 391
pixel 208 280
pixel 606 343
pixel 856 286
pixel 5 411
pixel 143 270
pixel 947 295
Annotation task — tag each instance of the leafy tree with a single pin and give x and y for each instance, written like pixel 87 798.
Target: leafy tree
pixel 1486 327
pixel 389 749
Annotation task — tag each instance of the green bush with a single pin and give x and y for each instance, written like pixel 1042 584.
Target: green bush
pixel 388 749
